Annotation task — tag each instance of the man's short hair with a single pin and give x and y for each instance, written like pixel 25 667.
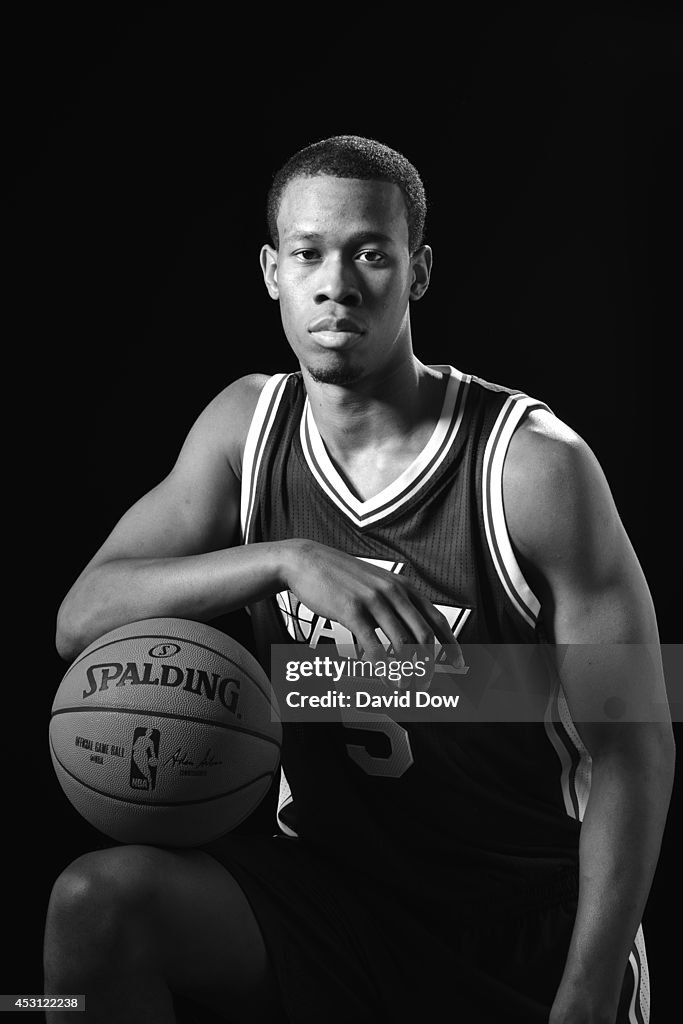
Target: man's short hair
pixel 350 156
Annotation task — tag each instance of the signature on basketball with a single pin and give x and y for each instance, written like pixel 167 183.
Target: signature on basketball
pixel 180 759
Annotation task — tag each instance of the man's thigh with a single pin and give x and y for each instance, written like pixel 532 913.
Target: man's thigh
pixel 210 942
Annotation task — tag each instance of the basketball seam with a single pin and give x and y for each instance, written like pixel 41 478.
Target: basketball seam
pixel 168 714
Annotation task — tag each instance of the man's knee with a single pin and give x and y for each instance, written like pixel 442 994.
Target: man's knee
pixel 103 905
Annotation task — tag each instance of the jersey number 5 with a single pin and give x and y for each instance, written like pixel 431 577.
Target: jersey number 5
pixel 400 756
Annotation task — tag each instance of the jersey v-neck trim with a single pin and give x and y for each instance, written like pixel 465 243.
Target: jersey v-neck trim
pixel 413 477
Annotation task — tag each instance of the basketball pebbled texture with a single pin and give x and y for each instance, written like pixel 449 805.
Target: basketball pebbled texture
pixel 164 731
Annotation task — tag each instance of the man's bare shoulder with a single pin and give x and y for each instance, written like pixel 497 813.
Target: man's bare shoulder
pixel 557 500
pixel 237 400
pixel 543 443
pixel 225 421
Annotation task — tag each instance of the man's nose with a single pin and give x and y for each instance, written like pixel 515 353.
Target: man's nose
pixel 337 282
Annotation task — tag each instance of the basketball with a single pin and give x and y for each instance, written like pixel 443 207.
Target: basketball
pixel 164 731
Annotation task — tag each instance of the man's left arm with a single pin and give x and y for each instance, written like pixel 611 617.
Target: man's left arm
pixel 594 598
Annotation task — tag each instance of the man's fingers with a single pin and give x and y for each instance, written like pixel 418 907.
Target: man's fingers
pixel 407 632
pixel 407 620
pixel 404 626
pixel 396 631
pixel 364 631
pixel 370 647
pixel 443 632
pixel 416 627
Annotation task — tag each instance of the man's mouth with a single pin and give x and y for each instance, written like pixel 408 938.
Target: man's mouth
pixel 336 332
pixel 336 325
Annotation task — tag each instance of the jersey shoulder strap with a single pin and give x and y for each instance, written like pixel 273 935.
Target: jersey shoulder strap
pixel 514 409
pixel 261 425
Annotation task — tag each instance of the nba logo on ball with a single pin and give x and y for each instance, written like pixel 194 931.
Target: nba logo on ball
pixel 165 731
pixel 144 759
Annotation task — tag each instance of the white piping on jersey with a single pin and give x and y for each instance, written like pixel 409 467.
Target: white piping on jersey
pixel 401 490
pixel 641 981
pixel 285 799
pixel 500 546
pixel 571 804
pixel 257 435
pixel 575 778
pixel 583 769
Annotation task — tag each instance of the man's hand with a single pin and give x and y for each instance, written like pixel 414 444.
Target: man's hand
pixel 363 597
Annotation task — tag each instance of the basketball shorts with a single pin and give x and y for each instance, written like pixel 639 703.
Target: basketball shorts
pixel 346 952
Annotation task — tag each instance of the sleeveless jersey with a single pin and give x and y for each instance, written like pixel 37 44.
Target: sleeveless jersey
pixel 451 814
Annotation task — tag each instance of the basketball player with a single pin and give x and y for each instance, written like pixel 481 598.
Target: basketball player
pixel 481 873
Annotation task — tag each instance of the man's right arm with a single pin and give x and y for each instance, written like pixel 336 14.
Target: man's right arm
pixel 176 553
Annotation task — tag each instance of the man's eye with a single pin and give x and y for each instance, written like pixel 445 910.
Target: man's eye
pixel 306 255
pixel 370 256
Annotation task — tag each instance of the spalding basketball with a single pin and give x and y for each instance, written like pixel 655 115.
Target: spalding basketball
pixel 164 731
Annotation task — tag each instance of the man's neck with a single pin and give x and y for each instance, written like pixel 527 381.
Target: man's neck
pixel 374 429
pixel 387 406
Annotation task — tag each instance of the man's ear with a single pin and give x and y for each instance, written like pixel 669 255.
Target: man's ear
pixel 421 261
pixel 269 268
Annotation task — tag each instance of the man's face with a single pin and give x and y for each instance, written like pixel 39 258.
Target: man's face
pixel 343 275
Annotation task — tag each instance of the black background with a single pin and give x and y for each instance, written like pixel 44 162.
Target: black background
pixel 141 143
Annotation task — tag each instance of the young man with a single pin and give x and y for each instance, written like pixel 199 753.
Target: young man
pixel 438 867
